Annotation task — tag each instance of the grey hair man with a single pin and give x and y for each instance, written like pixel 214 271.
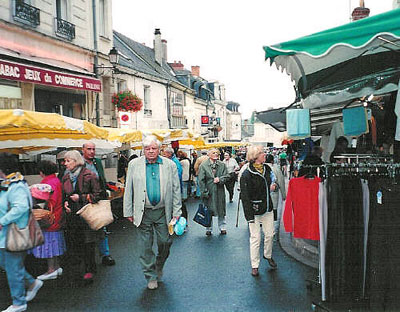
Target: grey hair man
pixel 152 199
pixel 94 164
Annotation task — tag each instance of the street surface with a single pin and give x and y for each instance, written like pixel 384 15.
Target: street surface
pixel 202 274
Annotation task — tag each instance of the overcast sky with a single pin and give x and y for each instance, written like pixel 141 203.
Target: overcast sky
pixel 226 38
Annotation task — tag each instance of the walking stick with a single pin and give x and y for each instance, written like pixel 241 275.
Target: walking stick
pixel 237 214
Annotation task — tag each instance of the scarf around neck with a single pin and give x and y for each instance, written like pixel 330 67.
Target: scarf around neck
pixel 11 178
pixel 259 167
pixel 73 175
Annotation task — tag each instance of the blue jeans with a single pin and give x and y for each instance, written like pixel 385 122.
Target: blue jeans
pixel 198 193
pixel 17 277
pixel 104 248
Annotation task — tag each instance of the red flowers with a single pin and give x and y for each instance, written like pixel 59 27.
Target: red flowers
pixel 126 101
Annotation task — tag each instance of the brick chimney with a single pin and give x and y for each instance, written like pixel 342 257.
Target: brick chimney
pixel 177 65
pixel 360 12
pixel 196 71
pixel 158 48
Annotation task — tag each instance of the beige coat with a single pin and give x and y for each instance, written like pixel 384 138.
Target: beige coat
pixel 135 189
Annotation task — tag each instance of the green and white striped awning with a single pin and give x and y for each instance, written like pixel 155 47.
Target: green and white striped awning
pixel 345 62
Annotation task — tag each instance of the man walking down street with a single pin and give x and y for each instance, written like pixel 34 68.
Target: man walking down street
pixel 95 165
pixel 152 199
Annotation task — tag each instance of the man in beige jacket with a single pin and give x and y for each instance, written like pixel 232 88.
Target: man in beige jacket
pixel 152 199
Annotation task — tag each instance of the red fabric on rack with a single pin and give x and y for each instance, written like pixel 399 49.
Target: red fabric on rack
pixel 301 214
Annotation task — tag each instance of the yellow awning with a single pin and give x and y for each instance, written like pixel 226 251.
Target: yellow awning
pixel 225 144
pixel 27 129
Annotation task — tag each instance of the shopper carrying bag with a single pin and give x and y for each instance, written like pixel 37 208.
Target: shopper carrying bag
pixel 16 227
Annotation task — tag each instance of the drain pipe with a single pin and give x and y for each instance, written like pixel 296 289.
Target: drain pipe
pixel 96 60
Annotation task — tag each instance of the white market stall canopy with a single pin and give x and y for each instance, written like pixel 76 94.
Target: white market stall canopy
pixel 28 131
pixel 343 63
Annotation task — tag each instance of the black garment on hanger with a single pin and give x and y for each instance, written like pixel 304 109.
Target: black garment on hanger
pixel 344 248
pixel 383 255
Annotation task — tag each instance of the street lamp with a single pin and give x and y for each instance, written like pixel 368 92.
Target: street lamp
pixel 113 57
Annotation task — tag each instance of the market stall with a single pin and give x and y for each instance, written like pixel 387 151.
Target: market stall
pixel 33 132
pixel 343 63
pixel 346 81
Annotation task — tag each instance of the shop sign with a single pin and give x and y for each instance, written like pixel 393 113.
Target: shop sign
pixel 19 72
pixel 205 120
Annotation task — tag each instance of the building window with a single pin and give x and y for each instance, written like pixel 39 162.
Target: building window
pixel 61 9
pixel 176 98
pixel 25 13
pixel 122 86
pixel 146 101
pixel 65 102
pixel 63 28
pixel 102 18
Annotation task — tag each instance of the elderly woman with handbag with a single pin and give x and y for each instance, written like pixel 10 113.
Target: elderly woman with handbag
pixel 212 177
pixel 255 187
pixel 54 243
pixel 15 206
pixel 80 187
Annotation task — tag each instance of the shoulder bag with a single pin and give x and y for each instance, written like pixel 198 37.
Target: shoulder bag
pixel 203 216
pixel 97 215
pixel 26 238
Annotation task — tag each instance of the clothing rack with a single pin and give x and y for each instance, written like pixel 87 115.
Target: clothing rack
pixel 363 157
pixel 369 165
pixel 390 169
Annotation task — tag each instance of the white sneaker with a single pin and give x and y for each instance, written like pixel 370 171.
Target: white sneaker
pixel 48 276
pixel 19 308
pixel 30 294
pixel 59 271
pixel 152 284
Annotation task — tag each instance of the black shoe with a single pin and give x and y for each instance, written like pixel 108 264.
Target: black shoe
pixel 254 272
pixel 223 232
pixel 108 260
pixel 271 263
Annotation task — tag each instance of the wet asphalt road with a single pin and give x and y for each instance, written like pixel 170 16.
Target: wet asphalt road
pixel 201 274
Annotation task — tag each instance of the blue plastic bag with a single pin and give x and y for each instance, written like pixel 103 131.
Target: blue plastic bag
pixel 179 227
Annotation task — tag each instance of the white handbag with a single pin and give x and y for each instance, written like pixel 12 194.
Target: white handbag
pixel 97 215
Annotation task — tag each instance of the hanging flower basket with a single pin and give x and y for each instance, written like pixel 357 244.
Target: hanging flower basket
pixel 126 101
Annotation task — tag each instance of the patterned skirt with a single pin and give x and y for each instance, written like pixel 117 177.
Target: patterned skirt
pixel 54 245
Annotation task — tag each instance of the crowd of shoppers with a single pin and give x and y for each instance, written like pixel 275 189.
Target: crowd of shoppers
pixel 157 185
pixel 71 183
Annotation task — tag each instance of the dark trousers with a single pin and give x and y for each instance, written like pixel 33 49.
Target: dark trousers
pixel 184 210
pixel 383 256
pixel 230 185
pixel 345 240
pixel 80 252
pixel 153 221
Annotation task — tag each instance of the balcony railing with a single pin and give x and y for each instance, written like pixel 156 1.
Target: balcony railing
pixel 65 29
pixel 26 13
